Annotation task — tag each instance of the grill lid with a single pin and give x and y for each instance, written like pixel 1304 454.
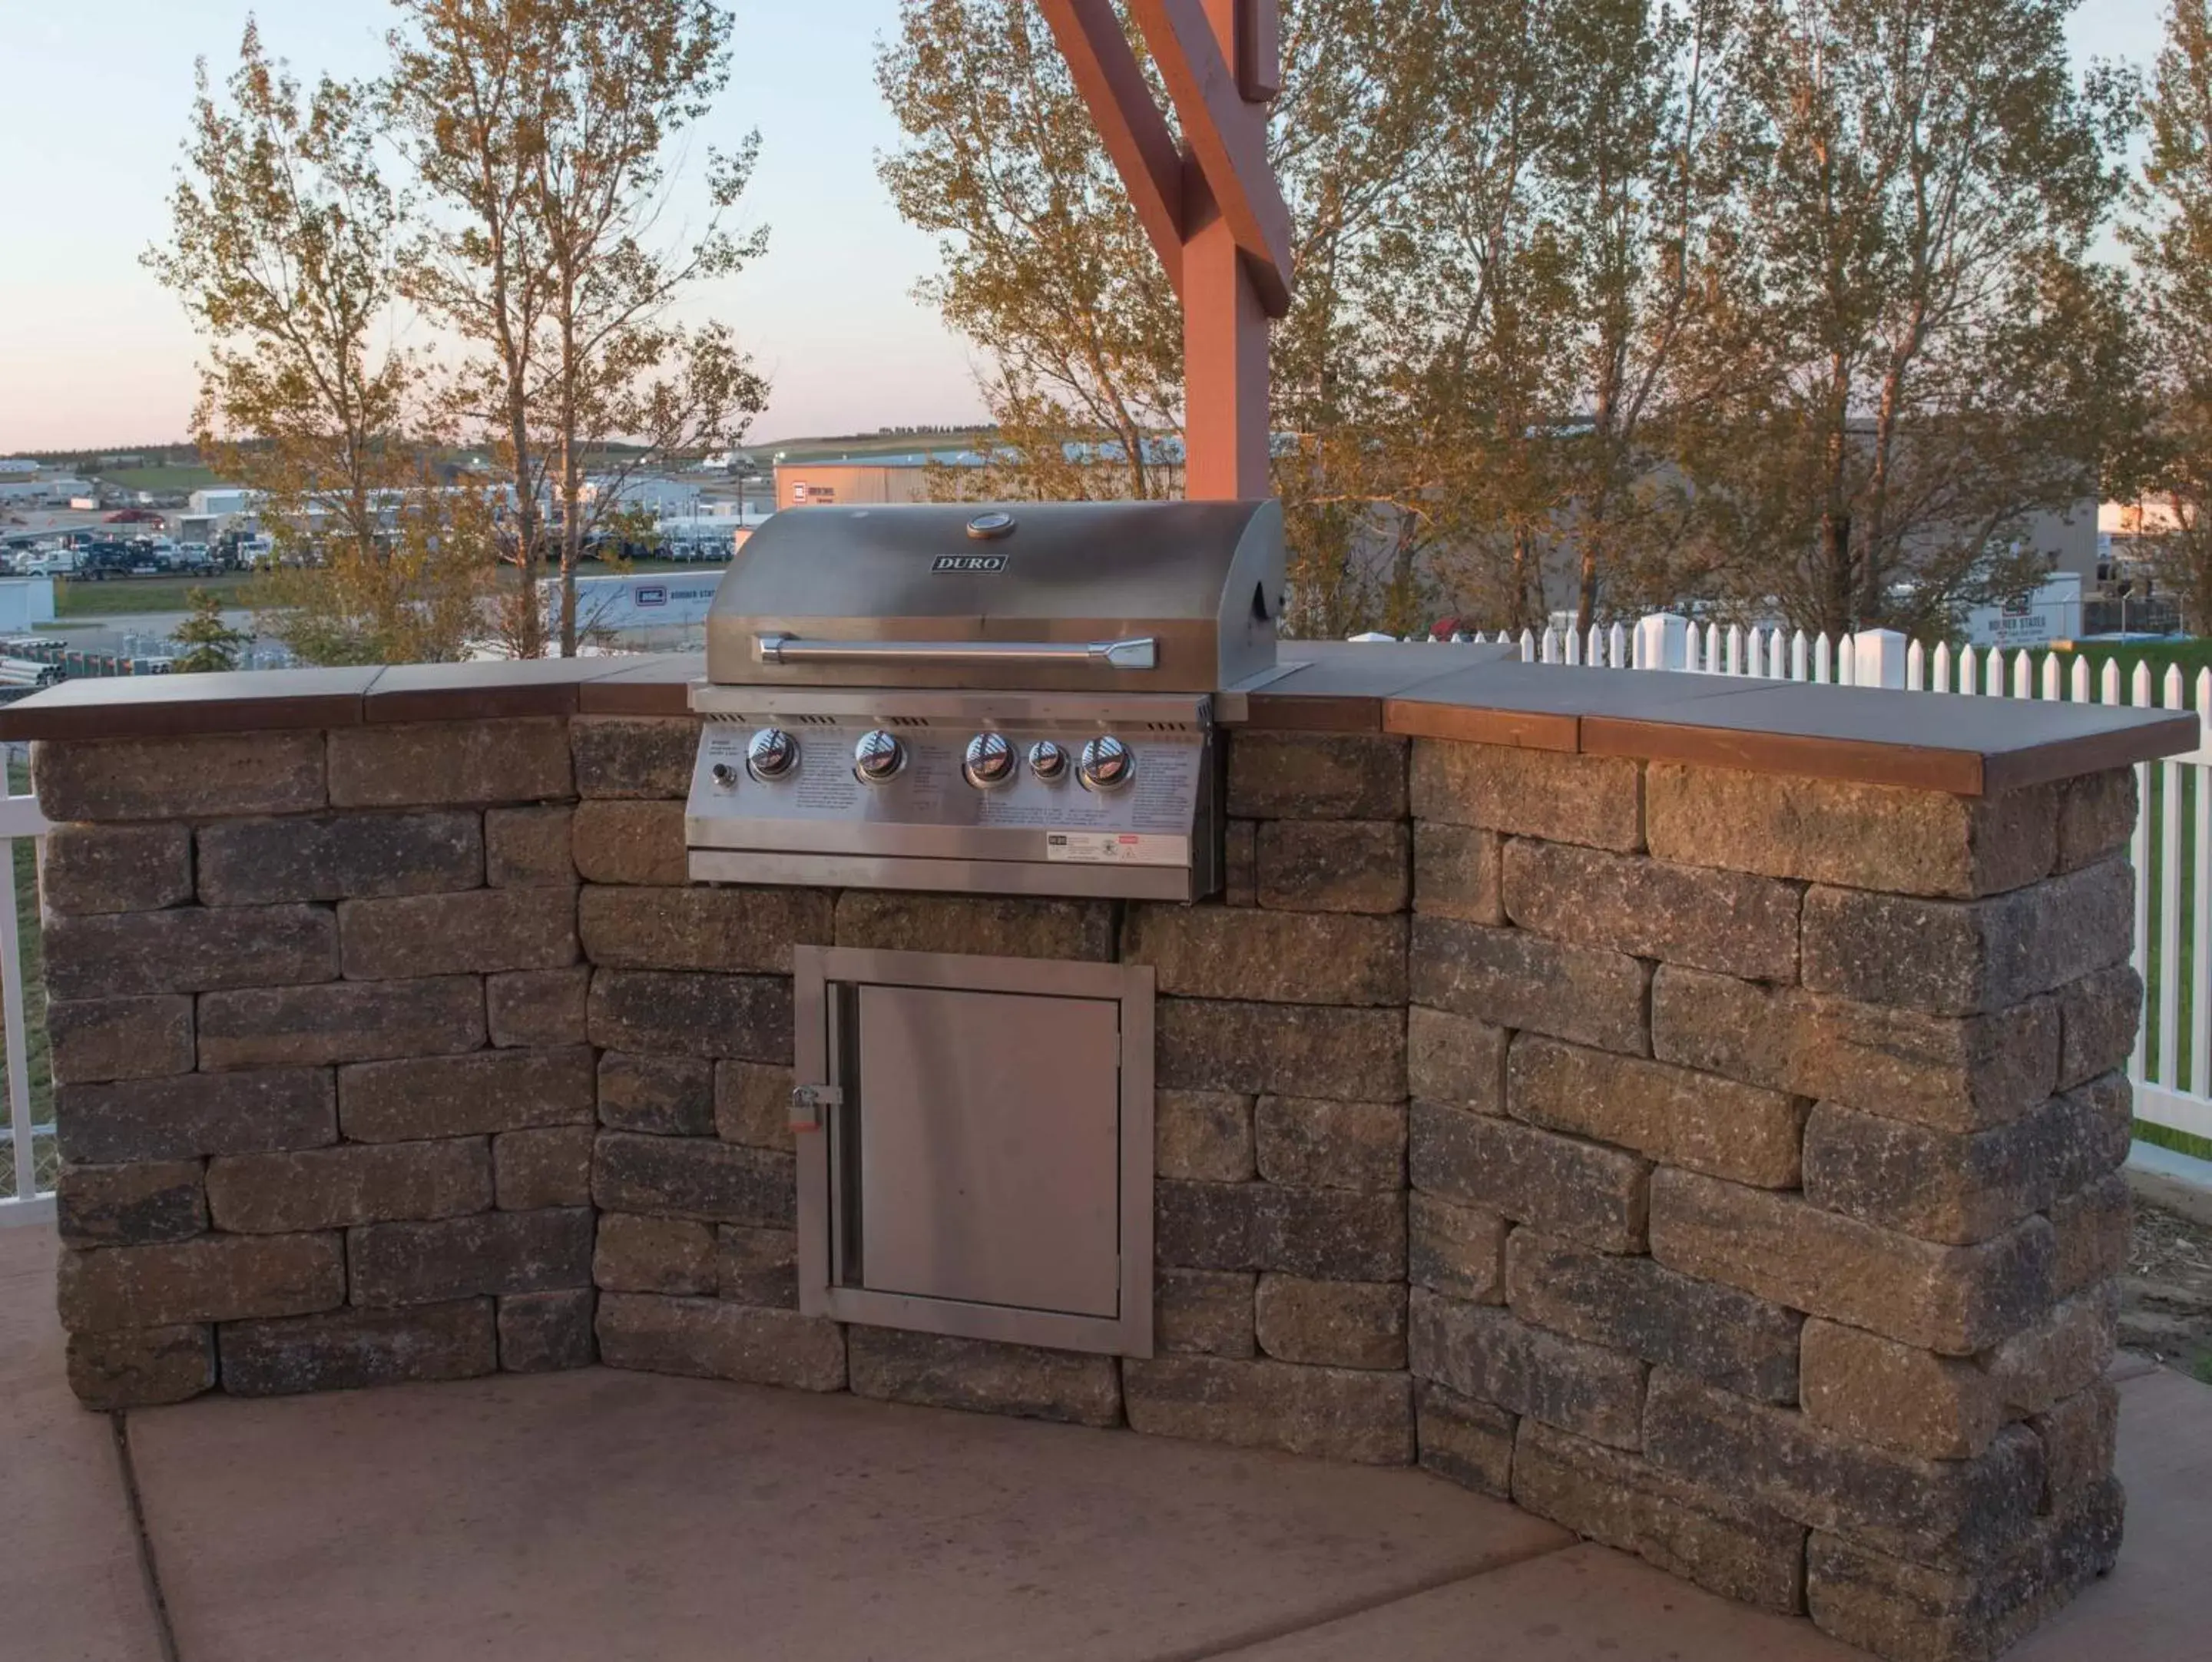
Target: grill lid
pixel 1133 597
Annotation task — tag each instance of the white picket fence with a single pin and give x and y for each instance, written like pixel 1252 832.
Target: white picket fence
pixel 2172 1065
pixel 27 1155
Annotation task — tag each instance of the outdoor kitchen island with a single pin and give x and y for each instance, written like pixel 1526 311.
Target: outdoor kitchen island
pixel 1689 1106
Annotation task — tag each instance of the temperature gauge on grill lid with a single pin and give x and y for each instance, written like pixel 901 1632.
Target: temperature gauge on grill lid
pixel 1107 763
pixel 989 760
pixel 772 753
pixel 879 756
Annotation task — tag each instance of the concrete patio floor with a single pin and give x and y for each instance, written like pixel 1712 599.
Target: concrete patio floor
pixel 617 1516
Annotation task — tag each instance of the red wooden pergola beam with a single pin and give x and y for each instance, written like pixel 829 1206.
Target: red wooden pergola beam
pixel 1227 136
pixel 1135 133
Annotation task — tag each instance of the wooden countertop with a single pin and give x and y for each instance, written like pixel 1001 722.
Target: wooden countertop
pixel 1965 745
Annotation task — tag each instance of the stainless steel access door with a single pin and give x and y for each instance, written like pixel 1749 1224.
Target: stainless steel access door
pixel 985 1166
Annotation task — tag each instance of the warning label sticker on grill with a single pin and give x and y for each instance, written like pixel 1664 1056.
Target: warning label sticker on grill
pixel 1112 847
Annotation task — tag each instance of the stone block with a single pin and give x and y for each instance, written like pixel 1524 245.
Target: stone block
pixel 1965 958
pixel 207 1278
pixel 1317 776
pixel 1458 870
pixel 129 1205
pixel 758 1266
pixel 2096 816
pixel 1332 1324
pixel 336 857
pixel 1206 1312
pixel 1726 921
pixel 1717 1334
pixel 1315 1143
pixel 1907 1612
pixel 2092 1227
pixel 1458 1251
pixel 668 1255
pixel 630 842
pixel 470 1096
pixel 1598 1196
pixel 1751 1553
pixel 998 925
pixel 2066 1351
pixel 1205 1135
pixel 2080 1438
pixel 272 1194
pixel 547 1332
pixel 404 764
pixel 1313 1050
pixel 1326 1233
pixel 1333 865
pixel 340 1021
pixel 735 930
pixel 192 1115
pixel 1482 1351
pixel 752 1105
pixel 537 1007
pixel 1240 863
pixel 529 847
pixel 548 1167
pixel 658 1095
pixel 635 756
pixel 88 869
pixel 463 1257
pixel 1953 1300
pixel 186 776
pixel 711 1338
pixel 1873 1390
pixel 1455 1059
pixel 1951 1513
pixel 1512 979
pixel 695 1177
pixel 1281 957
pixel 476 932
pixel 984 1377
pixel 188 950
pixel 1207 1226
pixel 1336 1413
pixel 94 1040
pixel 1464 1439
pixel 1883 837
pixel 745 1017
pixel 141 1367
pixel 1597 801
pixel 1677 1117
pixel 2098 1016
pixel 350 1349
pixel 1942 1187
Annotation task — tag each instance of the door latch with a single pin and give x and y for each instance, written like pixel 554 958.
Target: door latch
pixel 807 1103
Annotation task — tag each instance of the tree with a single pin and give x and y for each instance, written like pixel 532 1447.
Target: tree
pixel 211 644
pixel 1942 356
pixel 540 131
pixel 283 247
pixel 2172 240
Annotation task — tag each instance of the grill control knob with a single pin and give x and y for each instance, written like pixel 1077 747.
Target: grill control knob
pixel 989 760
pixel 1107 763
pixel 772 753
pixel 1047 761
pixel 724 775
pixel 879 756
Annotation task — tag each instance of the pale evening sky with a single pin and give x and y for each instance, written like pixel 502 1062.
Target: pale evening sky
pixel 94 98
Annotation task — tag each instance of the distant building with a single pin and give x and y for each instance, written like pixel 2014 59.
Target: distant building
pixel 662 498
pixel 223 500
pixel 16 467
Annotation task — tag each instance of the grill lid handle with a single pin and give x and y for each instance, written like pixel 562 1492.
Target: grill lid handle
pixel 1137 652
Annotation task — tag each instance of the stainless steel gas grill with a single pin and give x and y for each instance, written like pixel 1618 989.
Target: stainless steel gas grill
pixel 1015 700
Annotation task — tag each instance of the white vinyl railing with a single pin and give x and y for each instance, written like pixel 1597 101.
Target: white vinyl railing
pixel 27 1136
pixel 2171 1068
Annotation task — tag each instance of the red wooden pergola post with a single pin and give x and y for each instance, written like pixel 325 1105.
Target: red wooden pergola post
pixel 1212 208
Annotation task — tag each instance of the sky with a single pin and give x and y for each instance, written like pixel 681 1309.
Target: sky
pixel 93 100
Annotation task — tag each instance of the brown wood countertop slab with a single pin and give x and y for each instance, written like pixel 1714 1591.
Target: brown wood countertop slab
pixel 658 686
pixel 165 706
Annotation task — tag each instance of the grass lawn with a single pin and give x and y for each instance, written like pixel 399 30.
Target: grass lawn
pixel 141 594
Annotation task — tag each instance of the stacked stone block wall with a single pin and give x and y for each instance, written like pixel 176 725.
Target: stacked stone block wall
pixel 1722 1165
